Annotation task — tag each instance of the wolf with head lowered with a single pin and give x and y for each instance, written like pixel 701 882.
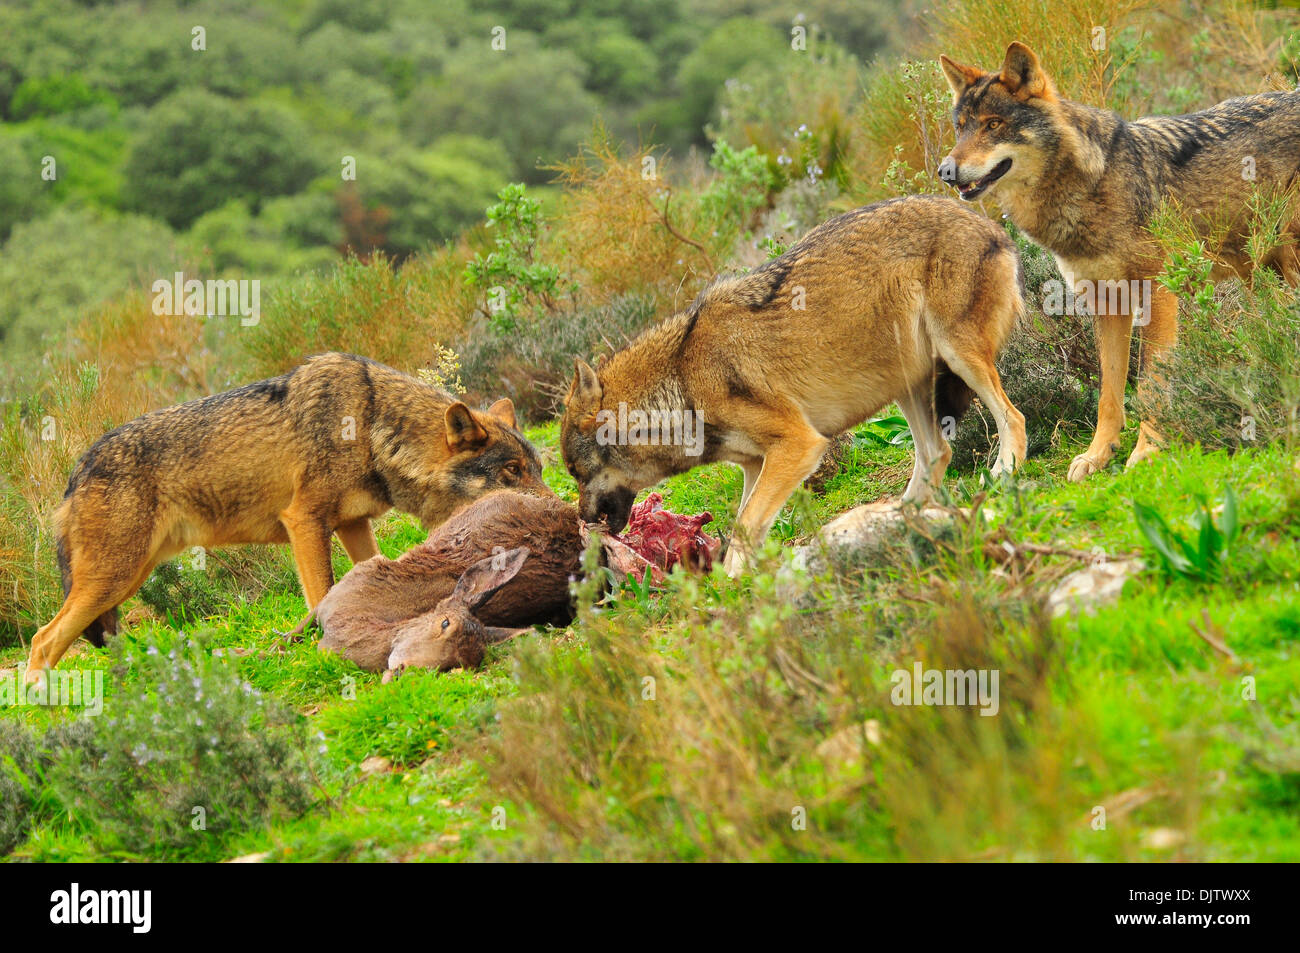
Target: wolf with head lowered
pixel 320 450
pixel 1084 183
pixel 909 300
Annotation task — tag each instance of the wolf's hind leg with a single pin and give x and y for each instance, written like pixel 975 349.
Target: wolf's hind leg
pixel 1158 337
pixel 751 470
pixel 932 450
pixel 95 590
pixel 981 372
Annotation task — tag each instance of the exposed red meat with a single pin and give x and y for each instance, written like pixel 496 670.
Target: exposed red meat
pixel 658 539
pixel 666 538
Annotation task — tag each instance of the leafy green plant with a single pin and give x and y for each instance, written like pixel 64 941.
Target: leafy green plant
pixel 1201 555
pixel 742 186
pixel 510 277
pixel 890 431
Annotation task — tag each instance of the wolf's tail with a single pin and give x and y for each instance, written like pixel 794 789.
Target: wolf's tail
pixel 106 624
pixel 952 396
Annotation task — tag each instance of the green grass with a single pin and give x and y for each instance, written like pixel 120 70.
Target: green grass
pixel 1135 700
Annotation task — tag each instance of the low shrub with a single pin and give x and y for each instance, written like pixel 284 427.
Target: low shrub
pixel 25 760
pixel 186 755
pixel 1234 378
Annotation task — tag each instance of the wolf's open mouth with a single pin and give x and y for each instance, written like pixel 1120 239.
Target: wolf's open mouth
pixel 973 190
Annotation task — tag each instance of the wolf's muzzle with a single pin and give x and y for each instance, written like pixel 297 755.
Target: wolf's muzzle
pixel 613 508
pixel 974 188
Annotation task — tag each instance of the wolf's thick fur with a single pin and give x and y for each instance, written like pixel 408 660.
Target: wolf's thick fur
pixel 909 300
pixel 319 450
pixel 1084 183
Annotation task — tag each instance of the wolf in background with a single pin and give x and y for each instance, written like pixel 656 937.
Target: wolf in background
pixel 909 300
pixel 320 450
pixel 1084 183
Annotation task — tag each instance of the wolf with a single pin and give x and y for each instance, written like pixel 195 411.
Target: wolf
pixel 320 450
pixel 1084 183
pixel 908 300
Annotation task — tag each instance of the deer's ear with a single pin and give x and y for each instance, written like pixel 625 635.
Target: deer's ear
pixel 463 431
pixel 960 78
pixel 1022 74
pixel 504 411
pixel 497 634
pixel 477 583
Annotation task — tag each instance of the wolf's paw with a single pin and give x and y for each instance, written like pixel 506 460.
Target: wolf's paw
pixel 1142 453
pixel 734 563
pixel 1082 467
pixel 1001 468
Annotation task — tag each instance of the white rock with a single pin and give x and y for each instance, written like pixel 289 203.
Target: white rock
pixel 1095 585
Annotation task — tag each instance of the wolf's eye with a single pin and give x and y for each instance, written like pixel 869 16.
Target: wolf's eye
pixel 512 470
pixel 445 623
pixel 994 124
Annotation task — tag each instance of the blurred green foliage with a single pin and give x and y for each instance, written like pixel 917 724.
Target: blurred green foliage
pixel 268 141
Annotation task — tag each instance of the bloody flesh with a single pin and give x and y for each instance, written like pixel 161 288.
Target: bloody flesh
pixel 665 538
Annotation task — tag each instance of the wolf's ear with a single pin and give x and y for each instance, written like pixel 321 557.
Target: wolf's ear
pixel 1021 73
pixel 463 431
pixel 504 411
pixel 585 388
pixel 960 78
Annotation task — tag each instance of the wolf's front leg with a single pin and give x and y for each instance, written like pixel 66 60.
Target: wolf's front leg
pixel 309 538
pixel 787 464
pixel 1114 332
pixel 358 539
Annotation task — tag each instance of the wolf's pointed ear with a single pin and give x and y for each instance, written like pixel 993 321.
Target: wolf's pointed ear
pixel 1021 73
pixel 504 411
pixel 463 431
pixel 960 78
pixel 585 388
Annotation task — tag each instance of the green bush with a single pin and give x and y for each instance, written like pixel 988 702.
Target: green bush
pixel 187 754
pixel 193 587
pixel 418 199
pixel 1201 556
pixel 25 761
pixel 720 57
pixel 1234 378
pixel 511 280
pixel 529 99
pixel 84 257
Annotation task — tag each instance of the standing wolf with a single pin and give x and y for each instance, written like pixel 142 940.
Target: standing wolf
pixel 909 300
pixel 319 450
pixel 1084 182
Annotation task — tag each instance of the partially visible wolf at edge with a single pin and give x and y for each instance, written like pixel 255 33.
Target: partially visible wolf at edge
pixel 1084 183
pixel 320 450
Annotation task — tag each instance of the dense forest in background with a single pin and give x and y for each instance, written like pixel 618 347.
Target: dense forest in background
pixel 230 158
